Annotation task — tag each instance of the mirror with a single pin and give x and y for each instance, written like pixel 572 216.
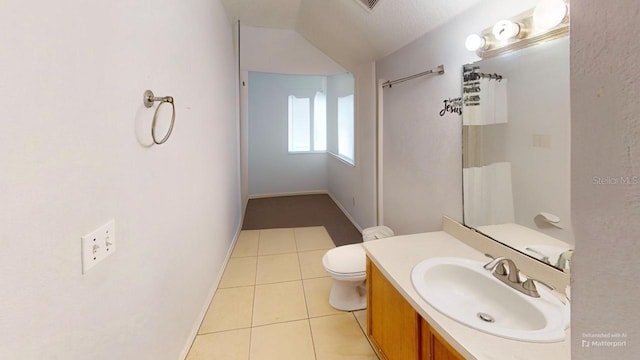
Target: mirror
pixel 516 150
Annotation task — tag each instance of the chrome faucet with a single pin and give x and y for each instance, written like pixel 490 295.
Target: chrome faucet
pixel 496 266
pixel 511 276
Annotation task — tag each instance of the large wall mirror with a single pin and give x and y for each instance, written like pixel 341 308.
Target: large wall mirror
pixel 516 150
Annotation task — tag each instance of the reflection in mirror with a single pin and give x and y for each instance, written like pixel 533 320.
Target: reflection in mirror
pixel 516 150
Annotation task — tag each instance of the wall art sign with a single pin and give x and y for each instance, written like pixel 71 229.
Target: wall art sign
pixel 453 106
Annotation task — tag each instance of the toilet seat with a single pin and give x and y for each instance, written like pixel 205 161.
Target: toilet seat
pixel 348 261
pixel 351 276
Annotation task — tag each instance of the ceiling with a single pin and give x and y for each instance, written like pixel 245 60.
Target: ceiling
pixel 344 29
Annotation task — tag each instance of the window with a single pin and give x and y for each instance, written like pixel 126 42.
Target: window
pixel 321 116
pixel 320 122
pixel 301 123
pixel 345 128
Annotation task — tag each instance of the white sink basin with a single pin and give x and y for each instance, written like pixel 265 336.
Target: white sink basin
pixel 464 291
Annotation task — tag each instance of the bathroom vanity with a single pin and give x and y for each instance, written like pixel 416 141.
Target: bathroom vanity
pixel 402 325
pixel 395 328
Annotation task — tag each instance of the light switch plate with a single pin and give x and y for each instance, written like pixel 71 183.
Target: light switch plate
pixel 541 141
pixel 97 245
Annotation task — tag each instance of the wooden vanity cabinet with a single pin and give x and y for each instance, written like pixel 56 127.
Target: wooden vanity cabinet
pixel 395 329
pixel 433 346
pixel 392 324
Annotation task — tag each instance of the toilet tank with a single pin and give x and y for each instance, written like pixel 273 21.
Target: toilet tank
pixel 376 232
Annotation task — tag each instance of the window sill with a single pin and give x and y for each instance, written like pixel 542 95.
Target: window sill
pixel 343 159
pixel 305 152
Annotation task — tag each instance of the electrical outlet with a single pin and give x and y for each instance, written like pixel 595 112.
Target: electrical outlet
pixel 97 245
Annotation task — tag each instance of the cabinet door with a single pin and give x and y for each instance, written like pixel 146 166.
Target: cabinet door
pixel 434 347
pixel 392 324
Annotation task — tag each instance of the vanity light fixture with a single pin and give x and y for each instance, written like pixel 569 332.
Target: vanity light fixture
pixel 549 20
pixel 549 14
pixel 505 30
pixel 475 42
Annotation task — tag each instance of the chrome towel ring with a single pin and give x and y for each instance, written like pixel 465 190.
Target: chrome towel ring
pixel 148 100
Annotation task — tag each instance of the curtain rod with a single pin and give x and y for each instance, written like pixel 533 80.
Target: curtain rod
pixel 439 70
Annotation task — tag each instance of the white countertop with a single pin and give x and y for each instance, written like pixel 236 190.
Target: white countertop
pixel 396 256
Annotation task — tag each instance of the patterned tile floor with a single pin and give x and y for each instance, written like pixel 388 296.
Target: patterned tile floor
pixel 273 303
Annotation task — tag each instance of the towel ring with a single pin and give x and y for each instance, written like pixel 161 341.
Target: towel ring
pixel 148 101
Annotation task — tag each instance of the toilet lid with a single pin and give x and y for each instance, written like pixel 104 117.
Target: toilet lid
pixel 347 259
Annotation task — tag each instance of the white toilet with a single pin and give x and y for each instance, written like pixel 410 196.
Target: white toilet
pixel 347 266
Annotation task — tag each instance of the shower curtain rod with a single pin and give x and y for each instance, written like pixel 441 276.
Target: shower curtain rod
pixel 439 70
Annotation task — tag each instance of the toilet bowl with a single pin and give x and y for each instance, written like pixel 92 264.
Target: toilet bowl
pixel 347 266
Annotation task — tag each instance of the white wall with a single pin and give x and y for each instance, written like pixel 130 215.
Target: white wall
pixel 275 51
pixel 272 169
pixel 605 83
pixel 289 53
pixel 244 138
pixel 353 187
pixel 422 151
pixel 72 83
pixel 339 85
pixel 284 52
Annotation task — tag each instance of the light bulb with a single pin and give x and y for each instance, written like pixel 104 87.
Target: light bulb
pixel 549 14
pixel 505 29
pixel 475 42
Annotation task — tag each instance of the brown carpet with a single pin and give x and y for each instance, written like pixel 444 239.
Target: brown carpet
pixel 300 211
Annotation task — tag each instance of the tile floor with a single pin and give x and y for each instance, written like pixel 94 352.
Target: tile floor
pixel 273 303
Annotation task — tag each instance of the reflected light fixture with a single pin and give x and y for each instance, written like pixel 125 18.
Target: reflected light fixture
pixel 475 42
pixel 549 14
pixel 547 21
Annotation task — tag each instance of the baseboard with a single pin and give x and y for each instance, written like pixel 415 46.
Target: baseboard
pixel 203 312
pixel 243 213
pixel 345 212
pixel 295 193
